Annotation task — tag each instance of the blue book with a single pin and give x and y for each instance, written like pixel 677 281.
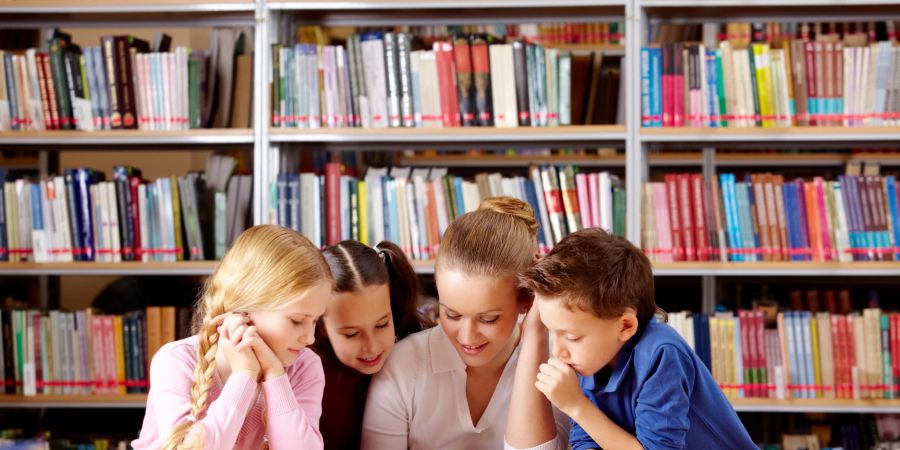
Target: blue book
pixel 460 204
pixel 849 210
pixel 646 90
pixel 655 90
pixel 726 181
pixel 84 178
pixel 803 223
pixel 787 190
pixel 37 222
pixel 531 197
pixel 712 87
pixel 283 214
pixel 894 208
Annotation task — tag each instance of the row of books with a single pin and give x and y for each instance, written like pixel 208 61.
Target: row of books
pixel 805 83
pixel 767 218
pixel 122 84
pixel 807 355
pixel 596 33
pixel 84 352
pixel 378 80
pixel 742 34
pixel 81 217
pixel 413 207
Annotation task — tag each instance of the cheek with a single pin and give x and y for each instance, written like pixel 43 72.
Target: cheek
pixel 345 349
pixel 450 327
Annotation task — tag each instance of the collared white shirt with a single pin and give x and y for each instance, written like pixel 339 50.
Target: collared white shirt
pixel 418 401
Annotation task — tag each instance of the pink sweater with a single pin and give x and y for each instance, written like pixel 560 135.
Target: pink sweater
pixel 292 403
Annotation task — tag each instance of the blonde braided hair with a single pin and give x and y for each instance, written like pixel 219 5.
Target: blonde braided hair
pixel 266 268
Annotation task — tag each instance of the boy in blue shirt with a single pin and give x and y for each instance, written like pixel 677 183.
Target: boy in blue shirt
pixel 626 380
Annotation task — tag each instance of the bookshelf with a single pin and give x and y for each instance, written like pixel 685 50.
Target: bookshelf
pixel 641 144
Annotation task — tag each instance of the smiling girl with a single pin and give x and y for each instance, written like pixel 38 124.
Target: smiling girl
pixel 450 387
pixel 246 379
pixel 373 305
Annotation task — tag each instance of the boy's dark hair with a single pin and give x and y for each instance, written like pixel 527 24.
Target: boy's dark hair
pixel 594 271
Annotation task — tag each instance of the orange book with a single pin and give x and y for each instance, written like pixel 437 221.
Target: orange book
pixel 812 220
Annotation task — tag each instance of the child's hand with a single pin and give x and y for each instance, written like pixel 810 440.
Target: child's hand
pixel 269 363
pixel 532 324
pixel 558 382
pixel 236 346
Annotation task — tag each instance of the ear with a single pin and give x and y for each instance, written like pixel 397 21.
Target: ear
pixel 628 325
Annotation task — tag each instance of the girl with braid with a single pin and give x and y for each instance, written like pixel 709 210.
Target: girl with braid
pixel 246 379
pixel 373 305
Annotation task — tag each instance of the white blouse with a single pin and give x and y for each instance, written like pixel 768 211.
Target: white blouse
pixel 418 401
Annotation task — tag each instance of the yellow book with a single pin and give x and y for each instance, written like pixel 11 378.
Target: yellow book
pixel 714 350
pixel 176 213
pixel 363 213
pixel 730 377
pixel 119 341
pixel 817 364
pixel 782 342
pixel 764 83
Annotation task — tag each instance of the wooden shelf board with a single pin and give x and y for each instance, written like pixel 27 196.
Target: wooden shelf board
pixel 769 134
pixel 459 134
pixel 74 401
pixel 433 4
pixel 816 405
pixel 113 6
pixel 783 268
pixel 100 268
pixel 128 137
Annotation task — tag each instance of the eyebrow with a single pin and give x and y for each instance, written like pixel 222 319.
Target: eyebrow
pixel 354 326
pixel 492 311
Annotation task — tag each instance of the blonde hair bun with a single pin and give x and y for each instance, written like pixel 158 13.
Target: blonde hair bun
pixel 513 207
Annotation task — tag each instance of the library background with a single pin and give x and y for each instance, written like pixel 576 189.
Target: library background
pixel 750 148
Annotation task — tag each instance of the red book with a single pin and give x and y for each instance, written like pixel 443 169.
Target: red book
pixel 762 362
pixel 685 200
pixel 702 228
pixel 443 52
pixel 135 210
pixel 44 60
pixel 674 217
pixel 809 53
pixel 667 92
pixel 333 203
pixel 747 350
pixel 678 84
pixel 895 351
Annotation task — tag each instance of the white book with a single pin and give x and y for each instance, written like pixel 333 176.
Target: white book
pixel 535 174
pixel 36 111
pixel 401 179
pixel 112 206
pixel 606 207
pixel 145 225
pixel 503 88
pixel 431 101
pixel 375 199
pixel 376 82
pixel 415 81
pixel 842 232
pixel 422 202
pixel 882 74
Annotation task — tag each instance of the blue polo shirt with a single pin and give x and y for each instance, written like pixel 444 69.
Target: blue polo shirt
pixel 660 392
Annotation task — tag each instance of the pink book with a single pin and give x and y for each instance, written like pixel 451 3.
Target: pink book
pixel 594 198
pixel 663 228
pixel 111 378
pixel 584 205
pixel 825 229
pixel 98 354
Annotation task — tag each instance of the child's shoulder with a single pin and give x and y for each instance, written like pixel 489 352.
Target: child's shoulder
pixel 660 336
pixel 182 352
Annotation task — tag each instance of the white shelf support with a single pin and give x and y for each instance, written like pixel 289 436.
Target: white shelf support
pixel 262 72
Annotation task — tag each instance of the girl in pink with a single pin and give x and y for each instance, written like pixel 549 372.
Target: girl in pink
pixel 246 379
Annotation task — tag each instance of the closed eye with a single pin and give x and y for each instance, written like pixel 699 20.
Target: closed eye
pixel 351 335
pixel 383 325
pixel 489 320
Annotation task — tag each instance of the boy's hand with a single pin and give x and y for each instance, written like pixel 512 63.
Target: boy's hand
pixel 269 363
pixel 558 382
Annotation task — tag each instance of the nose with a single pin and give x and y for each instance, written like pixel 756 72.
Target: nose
pixel 559 348
pixel 370 345
pixel 308 336
pixel 467 332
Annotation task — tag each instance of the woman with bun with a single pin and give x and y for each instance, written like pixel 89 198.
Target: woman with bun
pixel 450 387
